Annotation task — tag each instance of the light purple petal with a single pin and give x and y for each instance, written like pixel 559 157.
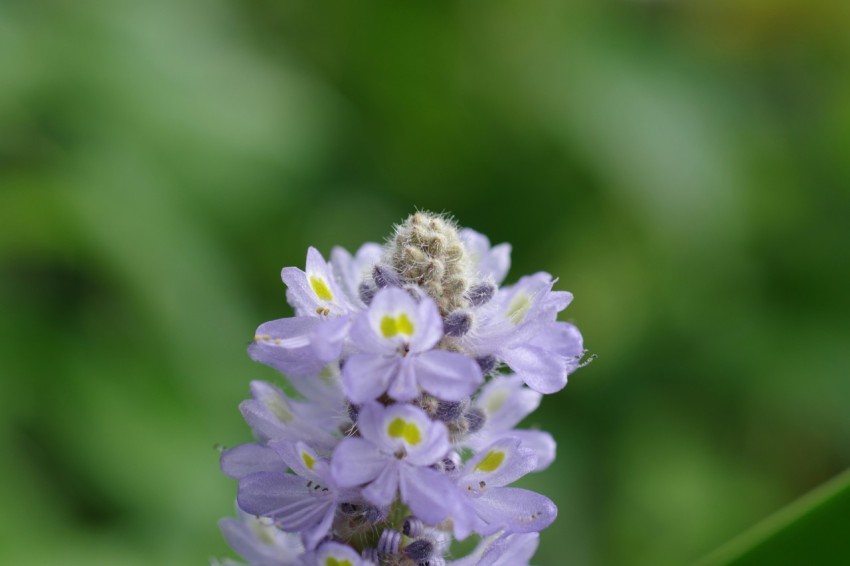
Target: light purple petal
pixel 271 548
pixel 433 441
pixel 506 402
pixel 356 462
pixel 506 550
pixel 289 499
pixel 429 328
pixel 540 442
pixel 541 370
pixel 403 387
pixel 341 553
pixel 429 494
pixel 285 344
pixel 328 337
pixel 450 376
pixel 350 271
pixel 515 510
pixel 313 535
pixel 246 459
pixel 501 463
pixel 366 376
pixel 296 455
pixel 382 491
pixel 364 338
pixel 488 262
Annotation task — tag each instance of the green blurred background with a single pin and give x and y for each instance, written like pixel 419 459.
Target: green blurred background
pixel 682 166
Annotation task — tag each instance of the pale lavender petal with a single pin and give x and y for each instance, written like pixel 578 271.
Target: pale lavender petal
pixel 431 446
pixel 506 402
pixel 515 510
pixel 501 463
pixel 328 337
pixel 540 442
pixel 313 535
pixel 366 376
pixel 382 491
pixel 370 422
pixel 356 462
pixel 365 339
pixel 298 292
pixel 260 542
pixel 429 494
pixel 403 387
pixel 450 376
pixel 350 271
pixel 337 553
pixel 488 262
pixel 293 502
pixel 511 550
pixel 542 371
pixel 429 326
pixel 285 344
pixel 246 459
pixel 298 457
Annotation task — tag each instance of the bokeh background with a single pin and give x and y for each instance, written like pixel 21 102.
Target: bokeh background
pixel 682 166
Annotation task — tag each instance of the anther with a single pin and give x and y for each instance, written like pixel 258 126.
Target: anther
pixel 457 323
pixel 449 411
pixel 366 291
pixel 374 514
pixel 475 418
pixel 480 294
pixel 486 363
pixel 412 527
pixel 385 277
pixel 353 412
pixel 349 509
pixel 419 550
pixel 389 542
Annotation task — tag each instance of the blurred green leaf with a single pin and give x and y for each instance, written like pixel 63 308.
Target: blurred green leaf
pixel 812 530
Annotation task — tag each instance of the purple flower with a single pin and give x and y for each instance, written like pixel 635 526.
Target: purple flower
pixel 260 542
pixel 518 327
pixel 314 291
pixel 504 508
pixel 392 444
pixel 398 444
pixel 274 416
pixel 395 338
pixel 335 554
pixel 351 271
pixel 502 550
pixel 488 262
pixel 504 402
pixel 303 501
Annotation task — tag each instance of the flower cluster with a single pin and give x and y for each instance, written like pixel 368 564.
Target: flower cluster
pixel 409 368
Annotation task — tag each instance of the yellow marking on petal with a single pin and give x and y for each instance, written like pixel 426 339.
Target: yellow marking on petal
pixel 309 461
pixel 262 531
pixel 391 326
pixel 518 308
pixel 331 561
pixel 279 407
pixel 496 401
pixel 398 428
pixel 491 461
pixel 404 325
pixel 388 327
pixel 320 287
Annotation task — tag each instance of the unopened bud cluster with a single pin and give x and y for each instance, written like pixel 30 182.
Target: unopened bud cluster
pixel 411 367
